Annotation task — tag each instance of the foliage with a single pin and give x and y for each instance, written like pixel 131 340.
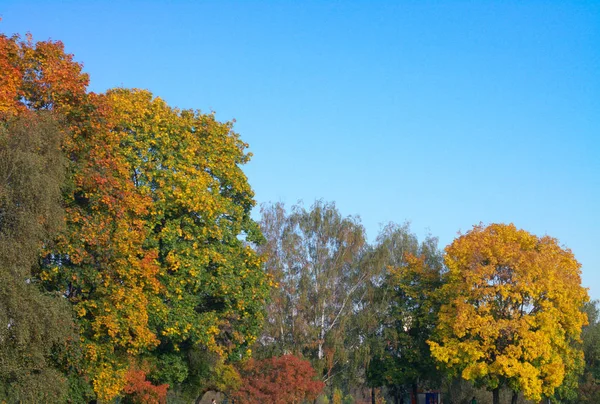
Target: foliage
pixel 591 339
pixel 403 310
pixel 513 310
pixel 152 258
pixel 187 166
pixel 337 397
pixel 589 387
pixel 141 391
pixel 313 257
pixel 96 263
pixel 278 380
pixel 37 328
pixel 589 390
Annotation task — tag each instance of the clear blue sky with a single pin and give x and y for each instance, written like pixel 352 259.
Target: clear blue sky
pixel 445 114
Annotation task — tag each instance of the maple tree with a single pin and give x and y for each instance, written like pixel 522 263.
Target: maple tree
pixel 285 379
pixel 187 166
pixel 512 311
pixel 98 262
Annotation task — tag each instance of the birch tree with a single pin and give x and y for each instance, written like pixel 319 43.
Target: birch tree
pixel 313 257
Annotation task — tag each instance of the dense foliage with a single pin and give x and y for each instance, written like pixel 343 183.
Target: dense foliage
pixel 143 236
pixel 278 380
pixel 37 330
pixel 406 312
pixel 512 311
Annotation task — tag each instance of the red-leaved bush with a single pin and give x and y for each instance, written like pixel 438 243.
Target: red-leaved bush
pixel 279 380
pixel 142 391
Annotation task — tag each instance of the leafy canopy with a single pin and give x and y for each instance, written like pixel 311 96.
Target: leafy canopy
pixel 513 310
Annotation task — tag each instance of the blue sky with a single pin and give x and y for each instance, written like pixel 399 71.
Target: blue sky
pixel 445 114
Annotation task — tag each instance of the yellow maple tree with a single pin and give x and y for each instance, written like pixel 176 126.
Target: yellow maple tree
pixel 512 311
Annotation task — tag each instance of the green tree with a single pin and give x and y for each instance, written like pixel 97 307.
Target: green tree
pixel 403 311
pixel 589 387
pixel 36 329
pixel 512 313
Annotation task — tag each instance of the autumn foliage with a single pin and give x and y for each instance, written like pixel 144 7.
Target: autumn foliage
pixel 141 391
pixel 513 311
pixel 156 205
pixel 278 380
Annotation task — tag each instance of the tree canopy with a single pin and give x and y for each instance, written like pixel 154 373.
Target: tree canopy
pixel 512 311
pixel 153 253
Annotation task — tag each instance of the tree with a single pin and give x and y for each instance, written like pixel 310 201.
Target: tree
pixel 97 263
pixel 512 311
pixel 402 313
pixel 278 380
pixel 313 257
pixel 36 328
pixel 589 388
pixel 187 166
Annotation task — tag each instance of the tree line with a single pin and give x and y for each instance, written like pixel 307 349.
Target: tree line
pixel 132 270
pixel 500 308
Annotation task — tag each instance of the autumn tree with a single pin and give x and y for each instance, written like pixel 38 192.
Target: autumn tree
pixel 187 166
pixel 38 84
pixel 313 257
pixel 285 379
pixel 512 311
pixel 98 263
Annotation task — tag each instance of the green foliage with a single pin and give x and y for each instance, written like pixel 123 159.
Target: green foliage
pixel 171 369
pixel 403 310
pixel 589 386
pixel 591 339
pixel 36 327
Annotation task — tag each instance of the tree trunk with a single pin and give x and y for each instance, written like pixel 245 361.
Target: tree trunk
pixel 496 395
pixel 415 392
pixel 515 397
pixel 372 395
pixel 322 334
